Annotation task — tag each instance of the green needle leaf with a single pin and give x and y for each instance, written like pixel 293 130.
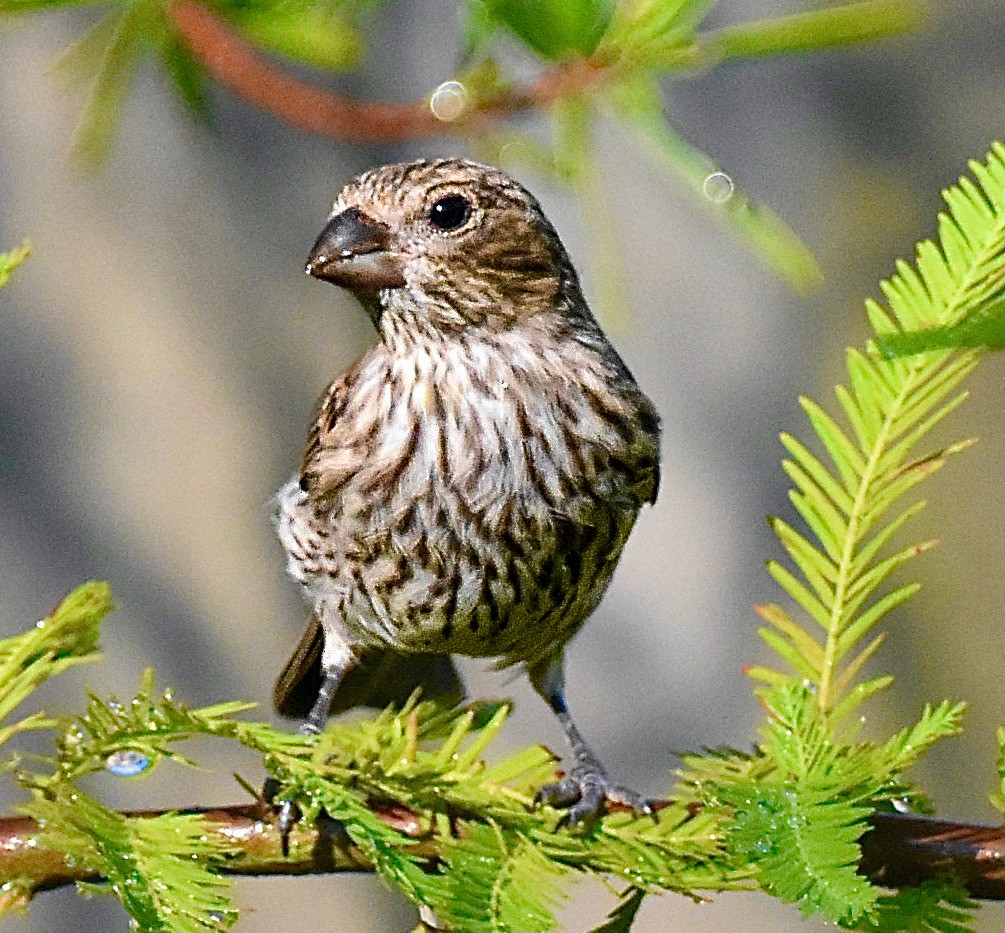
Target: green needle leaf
pixel 314 35
pixel 11 260
pixel 891 405
pixel 68 636
pixel 814 29
pixel 114 45
pixel 555 29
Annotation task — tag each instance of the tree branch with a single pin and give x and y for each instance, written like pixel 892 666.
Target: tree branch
pixel 902 850
pixel 899 850
pixel 236 66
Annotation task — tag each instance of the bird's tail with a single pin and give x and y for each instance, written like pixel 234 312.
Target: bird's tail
pixel 380 678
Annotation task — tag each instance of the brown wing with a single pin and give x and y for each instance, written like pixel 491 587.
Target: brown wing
pixel 648 465
pixel 640 462
pixel 299 682
pixel 331 455
pixel 648 483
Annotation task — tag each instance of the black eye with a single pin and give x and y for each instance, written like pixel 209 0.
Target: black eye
pixel 450 212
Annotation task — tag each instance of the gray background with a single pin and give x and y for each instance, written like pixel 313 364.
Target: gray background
pixel 161 351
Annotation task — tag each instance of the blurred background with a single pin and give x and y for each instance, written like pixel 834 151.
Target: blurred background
pixel 161 352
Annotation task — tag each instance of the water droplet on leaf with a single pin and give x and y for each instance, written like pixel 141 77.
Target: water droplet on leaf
pixel 127 762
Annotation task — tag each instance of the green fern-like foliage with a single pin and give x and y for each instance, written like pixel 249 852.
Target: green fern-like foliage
pixel 853 508
pixel 502 860
pixel 932 907
pixel 66 638
pixel 165 870
pixel 493 862
pixel 800 801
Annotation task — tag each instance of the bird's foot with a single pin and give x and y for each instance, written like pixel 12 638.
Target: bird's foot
pixel 286 819
pixel 287 812
pixel 586 790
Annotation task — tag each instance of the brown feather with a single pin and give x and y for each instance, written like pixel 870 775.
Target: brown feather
pixel 299 681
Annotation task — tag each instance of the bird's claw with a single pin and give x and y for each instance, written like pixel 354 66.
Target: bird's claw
pixel 287 818
pixel 287 813
pixel 586 791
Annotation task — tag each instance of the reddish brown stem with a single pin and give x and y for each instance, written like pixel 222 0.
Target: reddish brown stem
pixel 235 65
pixel 899 850
pixel 246 830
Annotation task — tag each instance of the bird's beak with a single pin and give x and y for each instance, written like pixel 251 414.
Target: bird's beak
pixel 352 251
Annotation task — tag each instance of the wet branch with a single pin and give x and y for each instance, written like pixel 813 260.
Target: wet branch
pixel 899 850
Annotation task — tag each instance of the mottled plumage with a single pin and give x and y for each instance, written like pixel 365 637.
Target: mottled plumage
pixel 469 483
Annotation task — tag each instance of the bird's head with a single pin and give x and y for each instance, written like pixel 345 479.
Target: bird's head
pixel 448 244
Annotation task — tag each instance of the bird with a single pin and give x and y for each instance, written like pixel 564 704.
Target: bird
pixel 469 483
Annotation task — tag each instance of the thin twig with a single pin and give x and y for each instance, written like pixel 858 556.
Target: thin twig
pixel 236 66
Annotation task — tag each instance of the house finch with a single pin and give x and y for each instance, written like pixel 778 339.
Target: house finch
pixel 470 481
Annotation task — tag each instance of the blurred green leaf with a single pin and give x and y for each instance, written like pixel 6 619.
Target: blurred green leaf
pixel 105 58
pixel 555 29
pixel 25 6
pixel 638 104
pixel 984 328
pixel 997 796
pixel 313 34
pixel 640 28
pixel 662 36
pixel 513 150
pixel 11 260
pixel 478 27
pixel 815 29
pixel 575 162
pixel 82 60
pixel 185 73
pixel 654 18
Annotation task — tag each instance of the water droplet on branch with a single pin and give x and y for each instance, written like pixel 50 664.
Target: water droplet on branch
pixel 718 187
pixel 449 101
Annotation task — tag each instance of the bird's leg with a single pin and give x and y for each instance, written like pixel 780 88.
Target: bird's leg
pixel 318 715
pixel 289 813
pixel 586 788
